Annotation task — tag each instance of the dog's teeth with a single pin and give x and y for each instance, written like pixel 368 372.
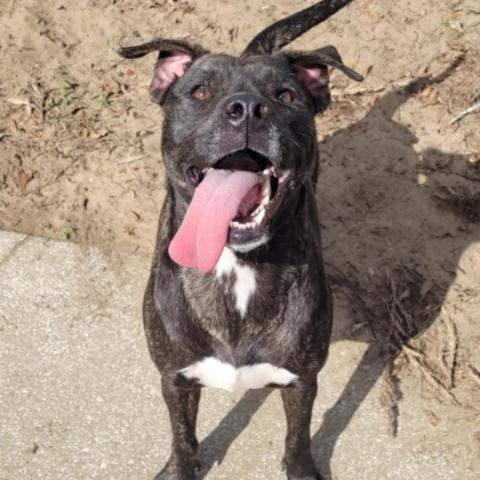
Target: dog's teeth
pixel 255 218
pixel 257 209
pixel 265 192
pixel 266 171
pixel 259 216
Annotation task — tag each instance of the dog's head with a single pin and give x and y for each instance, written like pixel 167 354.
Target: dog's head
pixel 243 125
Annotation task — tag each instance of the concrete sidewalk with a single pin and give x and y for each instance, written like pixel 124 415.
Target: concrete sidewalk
pixel 80 398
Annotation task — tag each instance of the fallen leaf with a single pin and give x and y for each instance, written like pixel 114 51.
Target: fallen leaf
pixel 133 215
pixel 429 96
pixel 374 13
pixel 103 132
pixel 432 418
pixel 426 92
pixel 22 180
pixel 111 87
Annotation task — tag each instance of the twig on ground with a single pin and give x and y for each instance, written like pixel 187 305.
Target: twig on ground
pixel 131 159
pixel 450 353
pixel 474 373
pixel 473 109
pixel 430 378
pixel 409 350
pixel 391 397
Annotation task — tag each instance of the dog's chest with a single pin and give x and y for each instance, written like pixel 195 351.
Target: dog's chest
pixel 212 372
pixel 229 318
pixel 221 300
pixel 238 280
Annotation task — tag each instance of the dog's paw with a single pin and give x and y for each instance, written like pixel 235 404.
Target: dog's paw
pixel 166 475
pixel 171 471
pixel 301 471
pixel 309 476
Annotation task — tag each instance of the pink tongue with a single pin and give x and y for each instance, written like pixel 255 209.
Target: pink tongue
pixel 203 233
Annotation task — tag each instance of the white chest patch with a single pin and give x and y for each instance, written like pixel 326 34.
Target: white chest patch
pixel 245 281
pixel 212 372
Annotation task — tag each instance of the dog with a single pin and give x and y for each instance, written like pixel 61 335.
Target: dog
pixel 238 297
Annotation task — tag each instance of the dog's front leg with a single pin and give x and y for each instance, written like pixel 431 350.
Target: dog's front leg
pixel 298 404
pixel 182 408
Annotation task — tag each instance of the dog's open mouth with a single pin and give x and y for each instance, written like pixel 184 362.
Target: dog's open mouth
pixel 232 204
pixel 259 200
pixel 262 200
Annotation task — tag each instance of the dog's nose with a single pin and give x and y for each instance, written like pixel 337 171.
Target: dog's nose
pixel 247 107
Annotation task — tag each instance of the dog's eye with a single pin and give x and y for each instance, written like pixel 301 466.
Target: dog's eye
pixel 201 92
pixel 286 96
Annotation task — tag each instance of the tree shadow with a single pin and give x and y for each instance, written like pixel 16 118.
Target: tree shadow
pixel 386 258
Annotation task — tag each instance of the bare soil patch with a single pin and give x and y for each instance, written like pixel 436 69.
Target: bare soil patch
pixel 399 189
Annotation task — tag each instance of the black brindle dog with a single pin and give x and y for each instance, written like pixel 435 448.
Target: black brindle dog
pixel 238 297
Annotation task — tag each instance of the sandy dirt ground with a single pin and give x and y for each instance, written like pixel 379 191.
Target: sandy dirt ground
pixel 399 190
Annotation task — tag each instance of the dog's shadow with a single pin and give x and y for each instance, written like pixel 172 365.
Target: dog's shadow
pixel 349 145
pixel 213 448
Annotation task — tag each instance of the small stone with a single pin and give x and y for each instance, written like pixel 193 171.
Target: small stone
pixel 421 179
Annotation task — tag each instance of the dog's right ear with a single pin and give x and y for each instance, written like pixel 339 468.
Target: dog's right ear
pixel 312 70
pixel 174 59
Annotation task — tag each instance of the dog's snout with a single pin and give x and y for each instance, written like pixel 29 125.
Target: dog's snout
pixel 249 108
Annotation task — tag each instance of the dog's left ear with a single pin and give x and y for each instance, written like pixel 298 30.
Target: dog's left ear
pixel 174 59
pixel 312 70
